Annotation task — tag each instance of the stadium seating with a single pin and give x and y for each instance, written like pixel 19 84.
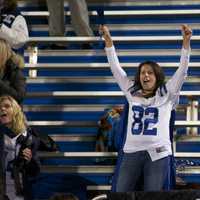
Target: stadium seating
pixel 68 90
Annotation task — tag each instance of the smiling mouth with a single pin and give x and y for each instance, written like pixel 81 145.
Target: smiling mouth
pixel 3 115
pixel 145 82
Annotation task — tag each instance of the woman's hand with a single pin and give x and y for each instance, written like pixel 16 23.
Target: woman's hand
pixel 187 34
pixel 27 154
pixel 106 35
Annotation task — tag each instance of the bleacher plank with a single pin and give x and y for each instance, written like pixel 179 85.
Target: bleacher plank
pixel 67 108
pixel 78 154
pixel 179 123
pixel 190 170
pixel 73 137
pixel 87 66
pixel 188 138
pixel 98 169
pixel 95 79
pixel 104 155
pixel 125 27
pixel 91 94
pixel 63 123
pixel 23 3
pixel 120 52
pixel 116 39
pixel 121 13
pixel 187 154
pixel 98 187
pixel 187 123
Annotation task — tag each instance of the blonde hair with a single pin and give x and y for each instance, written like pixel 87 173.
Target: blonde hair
pixel 19 122
pixel 7 53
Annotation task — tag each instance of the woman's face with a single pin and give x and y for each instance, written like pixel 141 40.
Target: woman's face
pixel 6 112
pixel 147 78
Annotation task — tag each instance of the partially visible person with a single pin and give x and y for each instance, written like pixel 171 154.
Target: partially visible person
pixel 64 196
pixel 79 18
pixel 12 80
pixel 13 26
pixel 108 126
pixel 21 161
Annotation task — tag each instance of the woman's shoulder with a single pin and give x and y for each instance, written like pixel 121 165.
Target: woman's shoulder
pixel 11 66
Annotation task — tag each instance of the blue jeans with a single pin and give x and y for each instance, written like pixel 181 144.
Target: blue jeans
pixel 137 165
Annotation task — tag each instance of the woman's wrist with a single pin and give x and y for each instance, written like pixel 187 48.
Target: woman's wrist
pixel 186 44
pixel 108 43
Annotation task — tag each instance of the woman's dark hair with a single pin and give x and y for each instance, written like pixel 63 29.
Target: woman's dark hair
pixel 9 6
pixel 159 74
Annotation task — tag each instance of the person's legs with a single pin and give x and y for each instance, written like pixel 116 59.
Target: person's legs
pixel 129 172
pixel 155 173
pixel 56 17
pixel 80 18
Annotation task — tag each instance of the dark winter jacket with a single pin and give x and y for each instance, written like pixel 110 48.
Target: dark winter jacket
pixel 13 82
pixel 28 170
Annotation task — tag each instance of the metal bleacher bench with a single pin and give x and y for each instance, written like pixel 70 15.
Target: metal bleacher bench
pixel 36 40
pixel 83 94
pixel 121 12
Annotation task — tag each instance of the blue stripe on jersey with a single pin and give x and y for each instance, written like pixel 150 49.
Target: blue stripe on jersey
pixel 161 94
pixel 165 88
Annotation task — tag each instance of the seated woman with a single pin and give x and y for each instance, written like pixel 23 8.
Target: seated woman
pixel 12 80
pixel 20 148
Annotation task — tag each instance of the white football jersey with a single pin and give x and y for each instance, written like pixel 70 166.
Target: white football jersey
pixel 148 118
pixel 14 30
